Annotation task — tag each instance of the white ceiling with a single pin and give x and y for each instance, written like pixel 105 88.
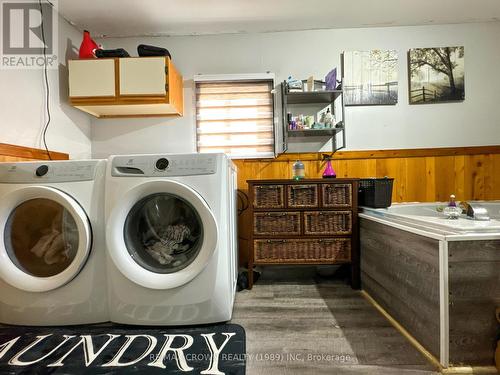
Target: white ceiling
pixel 124 18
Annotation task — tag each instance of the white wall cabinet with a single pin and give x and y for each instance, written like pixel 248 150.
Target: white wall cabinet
pixel 142 76
pixel 126 87
pixel 92 78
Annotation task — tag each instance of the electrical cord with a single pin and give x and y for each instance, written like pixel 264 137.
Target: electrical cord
pixel 46 79
pixel 243 199
pixel 241 203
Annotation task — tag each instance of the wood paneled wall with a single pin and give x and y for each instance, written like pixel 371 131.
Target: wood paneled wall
pixel 420 175
pixel 12 153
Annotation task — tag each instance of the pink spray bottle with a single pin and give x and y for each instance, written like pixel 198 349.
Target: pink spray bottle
pixel 329 172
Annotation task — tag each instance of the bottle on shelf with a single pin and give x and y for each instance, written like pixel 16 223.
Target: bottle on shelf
pixel 290 121
pixel 300 122
pixel 328 119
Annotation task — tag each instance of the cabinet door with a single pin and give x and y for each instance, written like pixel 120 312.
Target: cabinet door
pixel 142 76
pixel 91 78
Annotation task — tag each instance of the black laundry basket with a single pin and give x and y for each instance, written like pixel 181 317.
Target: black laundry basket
pixel 375 192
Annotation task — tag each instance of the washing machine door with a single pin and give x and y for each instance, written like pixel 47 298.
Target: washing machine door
pixel 45 238
pixel 161 234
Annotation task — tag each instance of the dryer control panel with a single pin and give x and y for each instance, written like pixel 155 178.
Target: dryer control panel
pixel 50 171
pixel 164 165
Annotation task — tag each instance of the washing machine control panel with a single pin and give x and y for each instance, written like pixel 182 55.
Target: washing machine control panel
pixel 164 165
pixel 57 171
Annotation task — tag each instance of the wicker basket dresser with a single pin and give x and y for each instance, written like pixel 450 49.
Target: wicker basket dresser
pixel 312 221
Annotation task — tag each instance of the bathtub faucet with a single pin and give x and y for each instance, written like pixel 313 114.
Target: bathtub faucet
pixel 475 211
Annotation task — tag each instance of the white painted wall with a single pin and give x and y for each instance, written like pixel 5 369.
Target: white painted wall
pixel 476 121
pixel 22 105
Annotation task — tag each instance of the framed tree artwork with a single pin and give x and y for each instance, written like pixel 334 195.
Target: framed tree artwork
pixel 370 77
pixel 436 75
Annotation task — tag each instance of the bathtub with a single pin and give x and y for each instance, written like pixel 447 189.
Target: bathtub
pixel 439 278
pixel 425 216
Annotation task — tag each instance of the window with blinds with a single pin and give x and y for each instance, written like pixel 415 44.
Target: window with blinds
pixel 235 117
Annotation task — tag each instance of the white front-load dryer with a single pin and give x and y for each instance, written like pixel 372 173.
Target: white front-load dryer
pixel 171 238
pixel 52 250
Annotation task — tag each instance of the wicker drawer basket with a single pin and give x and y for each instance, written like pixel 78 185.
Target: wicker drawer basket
pixel 268 196
pixel 303 251
pixel 336 195
pixel 328 222
pixel 276 223
pixel 302 196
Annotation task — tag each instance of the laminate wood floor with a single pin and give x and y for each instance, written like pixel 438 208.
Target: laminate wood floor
pixel 300 323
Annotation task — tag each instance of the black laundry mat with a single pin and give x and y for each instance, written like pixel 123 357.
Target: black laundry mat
pixel 109 349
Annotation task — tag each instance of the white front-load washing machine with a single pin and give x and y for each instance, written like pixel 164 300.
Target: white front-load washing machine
pixel 52 249
pixel 171 238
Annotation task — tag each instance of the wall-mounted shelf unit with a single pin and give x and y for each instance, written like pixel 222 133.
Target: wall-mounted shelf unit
pixel 334 99
pixel 315 132
pixel 126 87
pixel 312 96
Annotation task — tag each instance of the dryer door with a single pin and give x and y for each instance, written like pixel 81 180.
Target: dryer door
pixel 45 238
pixel 161 234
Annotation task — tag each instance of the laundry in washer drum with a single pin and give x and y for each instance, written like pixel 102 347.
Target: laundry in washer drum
pixel 171 230
pixel 55 243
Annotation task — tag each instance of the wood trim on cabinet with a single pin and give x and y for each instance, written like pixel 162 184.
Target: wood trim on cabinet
pixel 29 153
pixel 304 181
pixel 139 116
pixel 168 69
pixel 175 80
pixel 117 78
pixel 122 100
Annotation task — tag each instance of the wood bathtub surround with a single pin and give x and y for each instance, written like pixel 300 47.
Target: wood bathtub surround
pixel 13 153
pixel 474 285
pixel 402 272
pixel 420 175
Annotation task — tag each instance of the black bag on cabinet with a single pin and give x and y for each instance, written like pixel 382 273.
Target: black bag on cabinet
pixel 144 50
pixel 103 53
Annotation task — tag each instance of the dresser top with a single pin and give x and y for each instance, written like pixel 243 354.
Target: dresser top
pixel 303 181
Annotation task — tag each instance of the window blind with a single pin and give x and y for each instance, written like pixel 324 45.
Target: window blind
pixel 235 117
